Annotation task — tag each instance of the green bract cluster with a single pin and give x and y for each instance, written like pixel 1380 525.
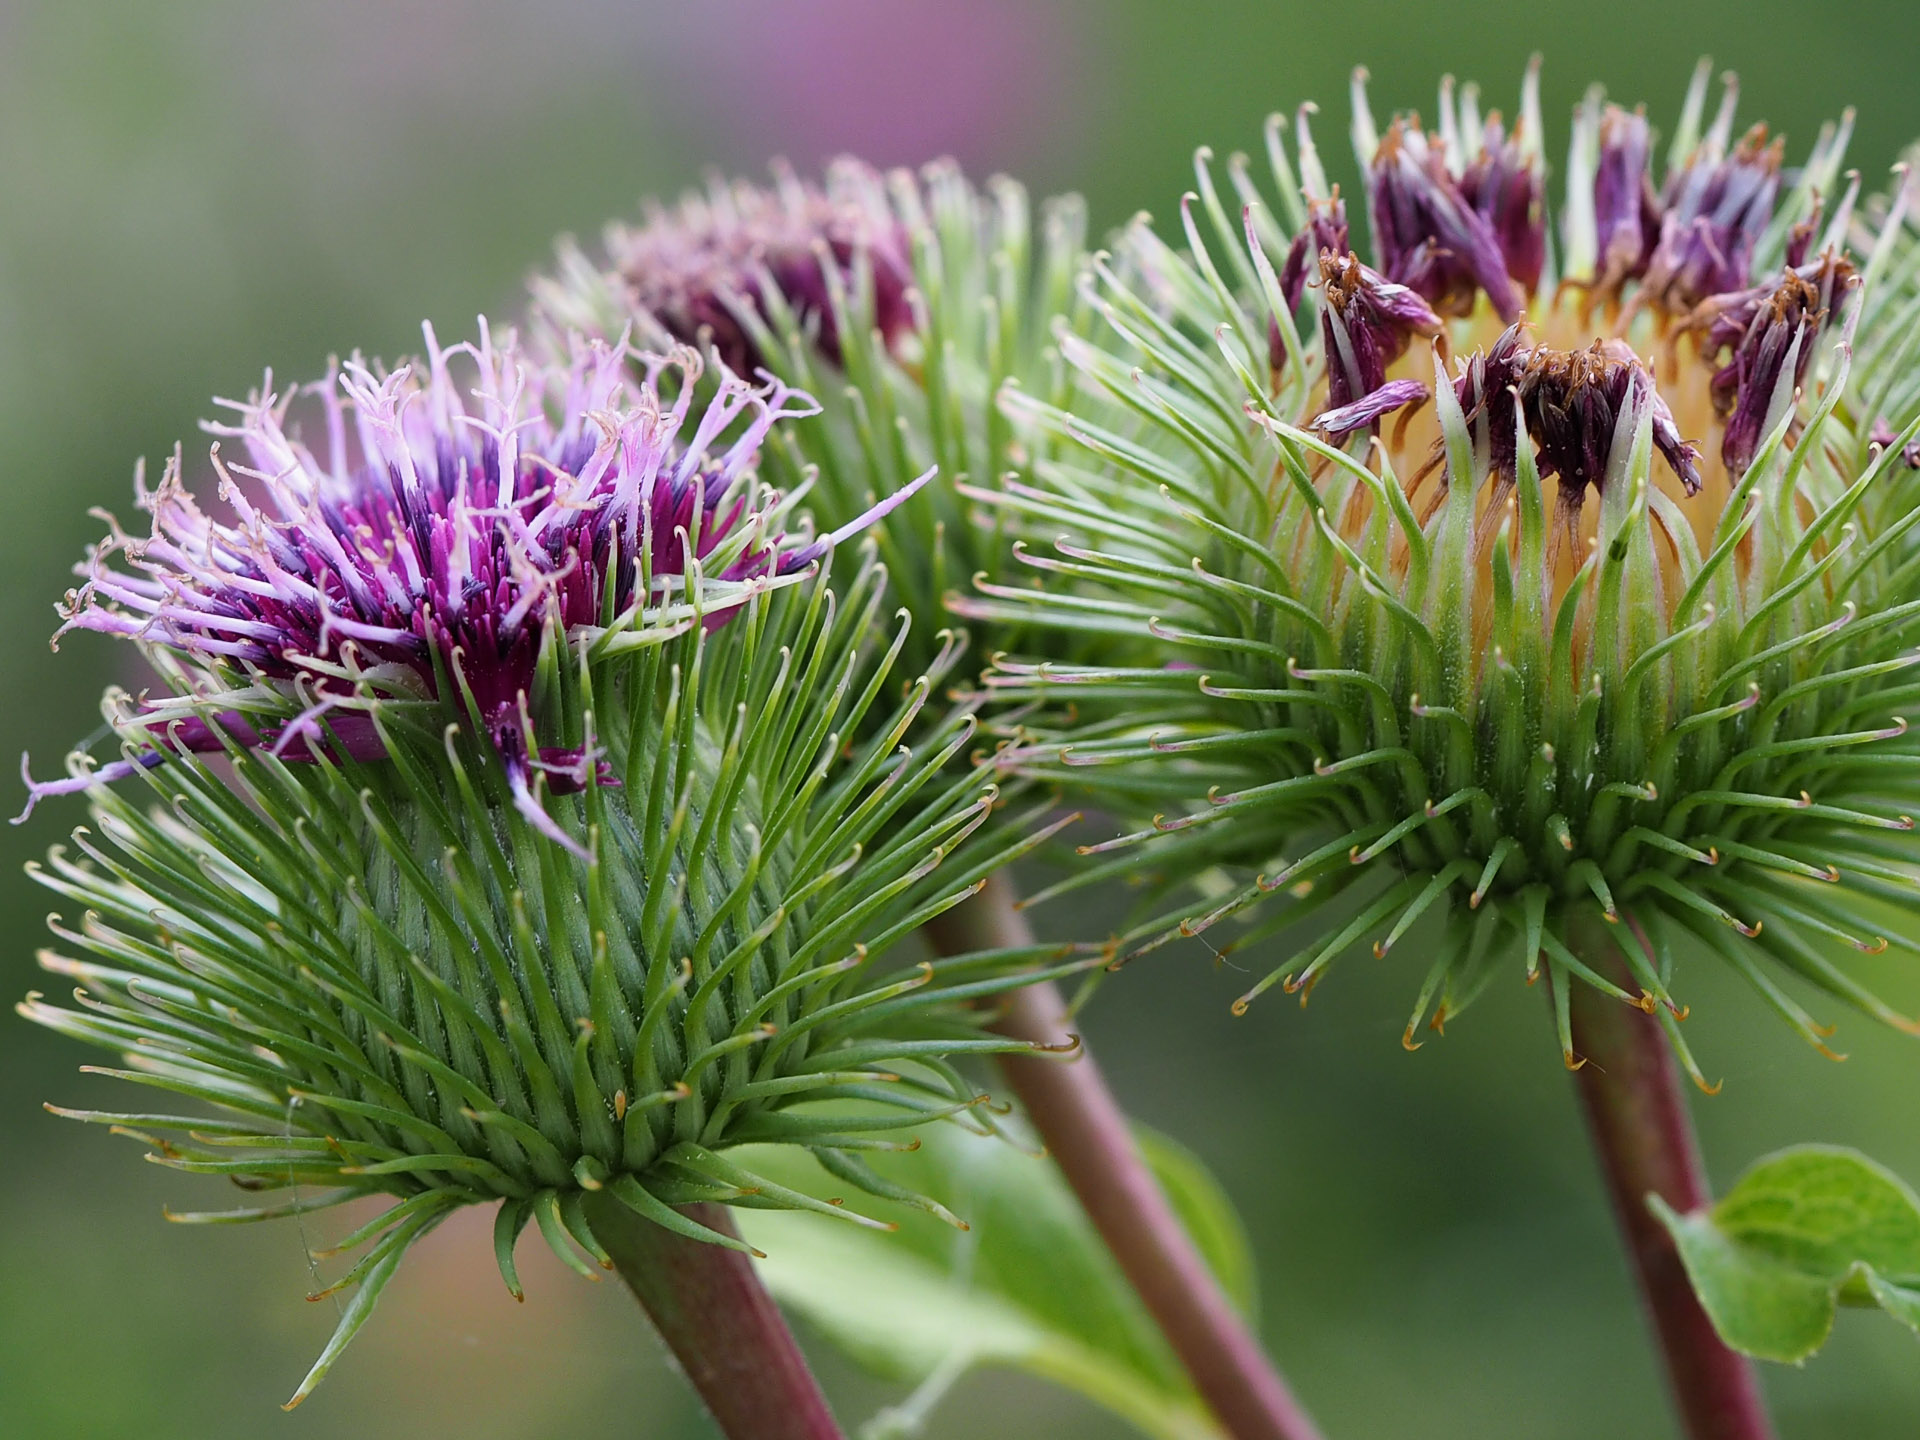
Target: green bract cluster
pixel 1386 664
pixel 388 982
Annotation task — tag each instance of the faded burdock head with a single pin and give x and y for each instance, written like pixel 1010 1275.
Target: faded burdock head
pixel 1530 579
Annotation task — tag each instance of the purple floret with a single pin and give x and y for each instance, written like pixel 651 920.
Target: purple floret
pixel 1428 235
pixel 1570 402
pixel 1715 212
pixel 1366 324
pixel 1626 208
pixel 1758 330
pixel 1325 233
pixel 1508 191
pixel 1573 400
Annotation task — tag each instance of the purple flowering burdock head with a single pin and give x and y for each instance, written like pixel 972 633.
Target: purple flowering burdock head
pixel 401 970
pixel 439 539
pixel 709 270
pixel 1582 645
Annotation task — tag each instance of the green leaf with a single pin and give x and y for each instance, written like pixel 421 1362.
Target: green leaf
pixel 1801 1232
pixel 1760 1307
pixel 1900 1301
pixel 1028 1284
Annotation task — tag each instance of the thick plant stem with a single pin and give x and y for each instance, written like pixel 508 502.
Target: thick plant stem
pixel 720 1323
pixel 1087 1134
pixel 1636 1109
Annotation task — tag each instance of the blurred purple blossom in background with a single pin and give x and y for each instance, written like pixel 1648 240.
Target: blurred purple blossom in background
pixel 896 81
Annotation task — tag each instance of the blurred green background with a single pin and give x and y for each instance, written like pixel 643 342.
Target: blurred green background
pixel 192 190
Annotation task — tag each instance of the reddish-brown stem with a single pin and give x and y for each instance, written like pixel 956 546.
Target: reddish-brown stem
pixel 1087 1134
pixel 1637 1113
pixel 720 1323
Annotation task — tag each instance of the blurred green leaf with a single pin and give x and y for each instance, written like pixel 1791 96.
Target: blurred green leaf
pixel 1801 1232
pixel 1208 1215
pixel 1028 1284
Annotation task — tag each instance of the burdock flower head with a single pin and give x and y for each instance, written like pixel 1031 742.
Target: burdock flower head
pixel 720 268
pixel 562 828
pixel 905 301
pixel 433 553
pixel 1597 651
